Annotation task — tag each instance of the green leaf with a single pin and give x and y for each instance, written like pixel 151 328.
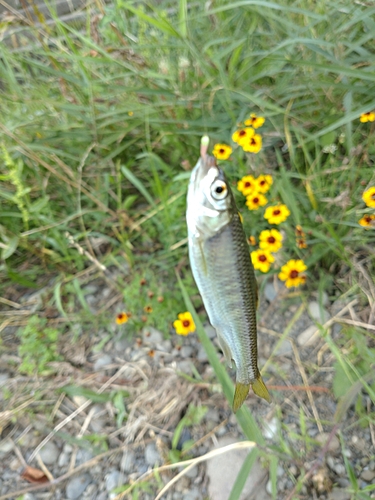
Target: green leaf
pixel 11 247
pixel 95 397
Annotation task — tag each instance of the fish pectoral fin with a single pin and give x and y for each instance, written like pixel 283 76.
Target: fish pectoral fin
pixel 240 394
pixel 204 263
pixel 225 348
pixel 260 389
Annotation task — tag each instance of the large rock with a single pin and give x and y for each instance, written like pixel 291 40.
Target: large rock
pixel 222 472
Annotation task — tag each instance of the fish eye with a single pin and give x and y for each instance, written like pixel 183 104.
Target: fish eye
pixel 219 190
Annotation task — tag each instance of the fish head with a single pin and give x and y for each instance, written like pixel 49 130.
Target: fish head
pixel 210 202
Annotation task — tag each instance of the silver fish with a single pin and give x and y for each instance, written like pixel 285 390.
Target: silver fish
pixel 222 268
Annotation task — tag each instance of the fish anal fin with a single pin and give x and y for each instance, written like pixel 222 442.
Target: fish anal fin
pixel 260 389
pixel 240 394
pixel 225 348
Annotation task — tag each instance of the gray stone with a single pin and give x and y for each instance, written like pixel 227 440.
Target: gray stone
pixel 128 461
pixel 212 415
pixel 368 475
pixel 192 473
pixel 121 345
pixel 185 366
pixel 63 459
pixel 210 330
pixel 103 361
pixel 221 477
pixel 193 494
pixel 49 453
pixel 270 291
pixel 3 378
pixel 310 336
pixel 152 455
pixel 334 443
pixel 83 456
pixel 165 346
pixel 271 428
pixel 77 485
pixel 186 351
pixel 339 494
pixel 151 335
pixel 317 312
pixel 28 496
pixel 6 445
pixel 113 479
pixel 284 348
pixel 202 355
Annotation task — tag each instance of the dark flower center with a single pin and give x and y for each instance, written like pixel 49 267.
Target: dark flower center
pixel 271 239
pixel 253 142
pixel 262 258
pixel 247 184
pixel 293 274
pixel 262 183
pixel 373 196
pixel 222 150
pixel 186 323
pixel 256 200
pixel 120 316
pixel 277 212
pixel 241 132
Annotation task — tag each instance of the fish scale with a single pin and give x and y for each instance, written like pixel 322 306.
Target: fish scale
pixel 224 274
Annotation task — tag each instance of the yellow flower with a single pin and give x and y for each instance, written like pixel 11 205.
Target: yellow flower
pixel 148 309
pixel 276 214
pixel 369 197
pixel 246 185
pixel 242 135
pixel 264 182
pixel 262 260
pixel 253 145
pixel 122 318
pixel 367 117
pixel 256 200
pixel 222 151
pixel 291 273
pixel 367 221
pixel 130 113
pixel 255 121
pixel 270 239
pixel 184 324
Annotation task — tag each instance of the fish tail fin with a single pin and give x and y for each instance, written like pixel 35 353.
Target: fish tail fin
pixel 260 389
pixel 242 390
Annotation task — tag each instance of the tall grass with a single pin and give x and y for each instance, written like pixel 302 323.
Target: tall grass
pixel 101 123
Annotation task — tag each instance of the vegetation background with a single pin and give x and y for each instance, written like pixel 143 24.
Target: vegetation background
pixel 101 123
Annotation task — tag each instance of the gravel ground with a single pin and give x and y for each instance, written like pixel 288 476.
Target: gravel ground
pixel 65 446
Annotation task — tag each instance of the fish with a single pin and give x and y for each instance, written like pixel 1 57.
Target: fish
pixel 222 268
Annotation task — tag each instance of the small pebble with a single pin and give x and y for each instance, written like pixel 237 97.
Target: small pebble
pixel 270 291
pixel 210 330
pixel 212 415
pixel 113 479
pixel 339 494
pixel 202 355
pixel 318 313
pixel 128 461
pixel 310 336
pixel 152 455
pixel 77 485
pixel 334 443
pixel 192 494
pixel 151 335
pixel 186 351
pixel 49 453
pixel 103 361
pixel 368 475
pixel 192 473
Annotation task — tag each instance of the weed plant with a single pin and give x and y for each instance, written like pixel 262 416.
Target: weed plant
pixel 101 123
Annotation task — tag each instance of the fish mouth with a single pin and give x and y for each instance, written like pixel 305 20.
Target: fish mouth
pixel 201 169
